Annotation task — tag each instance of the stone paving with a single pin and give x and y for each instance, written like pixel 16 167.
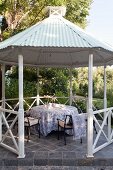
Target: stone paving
pixel 48 153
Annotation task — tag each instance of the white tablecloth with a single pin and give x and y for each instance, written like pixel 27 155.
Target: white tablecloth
pixel 79 126
pixel 51 112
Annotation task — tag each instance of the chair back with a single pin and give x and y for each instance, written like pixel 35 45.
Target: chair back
pixel 68 120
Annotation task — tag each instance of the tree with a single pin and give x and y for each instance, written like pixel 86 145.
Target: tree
pixel 54 81
pixel 77 11
pixel 21 14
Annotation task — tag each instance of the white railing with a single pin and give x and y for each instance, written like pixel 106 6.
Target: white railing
pixel 10 116
pixel 105 132
pixel 8 134
pixel 29 105
pixel 29 102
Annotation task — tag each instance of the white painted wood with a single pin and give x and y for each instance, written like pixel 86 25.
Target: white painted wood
pixel 56 10
pixel 71 95
pixel 3 97
pixel 9 148
pixel 7 110
pixel 38 87
pixel 90 111
pixel 21 110
pixel 101 129
pixel 9 130
pixel 3 85
pixel 103 110
pixel 105 91
pixel 102 146
pixel 109 125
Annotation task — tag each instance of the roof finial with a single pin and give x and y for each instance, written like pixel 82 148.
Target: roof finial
pixel 56 10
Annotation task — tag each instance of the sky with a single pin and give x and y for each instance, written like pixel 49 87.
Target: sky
pixel 100 20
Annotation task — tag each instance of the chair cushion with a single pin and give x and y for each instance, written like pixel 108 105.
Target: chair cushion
pixel 32 121
pixel 61 123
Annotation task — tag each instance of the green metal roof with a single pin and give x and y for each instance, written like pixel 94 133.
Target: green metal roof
pixel 54 32
pixel 54 35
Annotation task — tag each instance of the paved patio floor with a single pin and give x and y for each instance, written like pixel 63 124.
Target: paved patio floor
pixel 50 153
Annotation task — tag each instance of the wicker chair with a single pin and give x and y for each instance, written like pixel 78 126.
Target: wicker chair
pixel 66 124
pixel 30 122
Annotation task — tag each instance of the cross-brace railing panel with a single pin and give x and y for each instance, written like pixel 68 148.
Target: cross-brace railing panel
pixel 8 133
pixel 42 99
pixel 101 125
pixel 103 130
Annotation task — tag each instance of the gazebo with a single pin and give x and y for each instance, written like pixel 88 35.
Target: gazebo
pixel 55 42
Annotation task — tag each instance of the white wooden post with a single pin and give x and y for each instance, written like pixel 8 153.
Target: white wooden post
pixel 37 86
pixel 90 111
pixel 109 126
pixel 105 93
pixel 21 110
pixel 105 105
pixel 3 97
pixel 71 95
pixel 3 85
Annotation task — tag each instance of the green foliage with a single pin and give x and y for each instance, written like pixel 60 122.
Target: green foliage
pixel 98 104
pixel 80 85
pixel 2 6
pixel 22 14
pixel 61 100
pixel 56 81
pixel 77 11
pixel 81 105
pixel 30 84
pixel 11 88
pixel 6 34
pixel 4 24
pixel 29 73
pixel 81 81
pixel 110 97
pixel 98 82
pixel 53 81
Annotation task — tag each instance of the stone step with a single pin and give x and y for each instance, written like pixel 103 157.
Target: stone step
pixel 87 162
